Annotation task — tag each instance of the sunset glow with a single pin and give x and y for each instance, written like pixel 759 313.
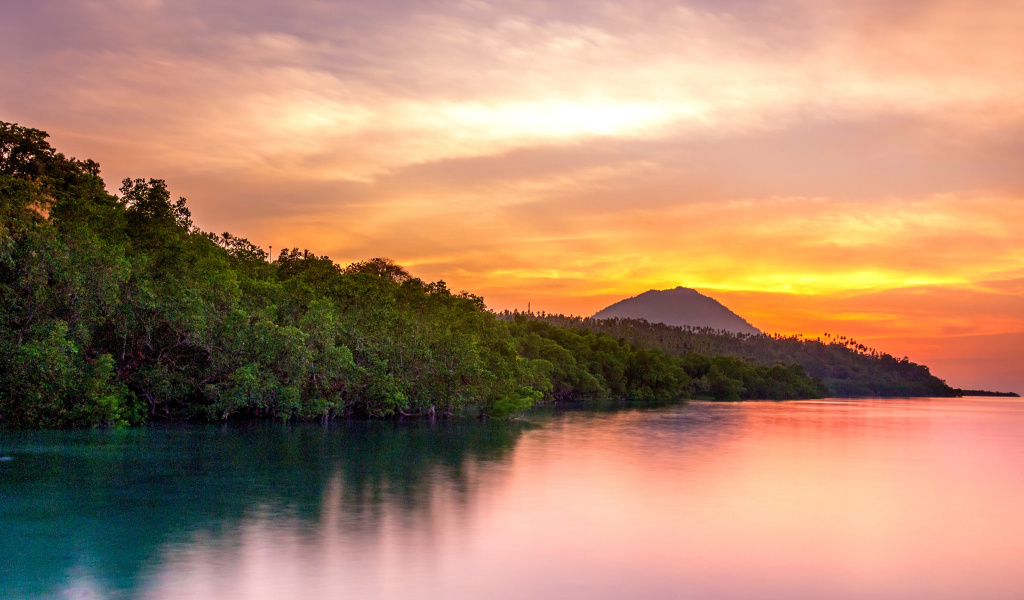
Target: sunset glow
pixel 827 166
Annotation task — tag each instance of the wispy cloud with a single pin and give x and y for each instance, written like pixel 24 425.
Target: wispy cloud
pixel 570 152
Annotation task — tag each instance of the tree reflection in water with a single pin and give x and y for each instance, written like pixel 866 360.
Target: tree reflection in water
pixel 99 509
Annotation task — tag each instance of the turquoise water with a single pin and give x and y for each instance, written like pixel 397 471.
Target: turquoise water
pixel 819 499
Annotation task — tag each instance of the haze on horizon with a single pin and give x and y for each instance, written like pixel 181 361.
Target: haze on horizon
pixel 825 166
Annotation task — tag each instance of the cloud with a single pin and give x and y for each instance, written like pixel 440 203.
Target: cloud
pixel 572 152
pixel 454 83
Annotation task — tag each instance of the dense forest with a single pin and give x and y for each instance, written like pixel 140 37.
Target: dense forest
pixel 847 367
pixel 115 309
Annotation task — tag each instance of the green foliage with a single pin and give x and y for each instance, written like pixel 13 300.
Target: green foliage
pixel 115 310
pixel 25 154
pixel 105 401
pixel 381 267
pixel 837 366
pixel 584 364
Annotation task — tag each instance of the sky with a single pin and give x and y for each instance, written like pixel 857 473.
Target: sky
pixel 850 167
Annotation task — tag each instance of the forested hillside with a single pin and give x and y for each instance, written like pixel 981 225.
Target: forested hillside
pixel 846 367
pixel 115 309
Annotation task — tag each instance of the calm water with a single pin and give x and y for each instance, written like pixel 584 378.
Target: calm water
pixel 816 500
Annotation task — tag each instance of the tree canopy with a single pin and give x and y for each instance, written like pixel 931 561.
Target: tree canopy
pixel 846 367
pixel 115 309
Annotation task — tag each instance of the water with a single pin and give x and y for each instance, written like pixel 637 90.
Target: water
pixel 795 500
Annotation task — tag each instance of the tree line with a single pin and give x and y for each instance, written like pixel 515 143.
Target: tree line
pixel 115 309
pixel 846 367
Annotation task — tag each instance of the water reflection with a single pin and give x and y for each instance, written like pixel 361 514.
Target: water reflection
pixel 888 499
pixel 93 514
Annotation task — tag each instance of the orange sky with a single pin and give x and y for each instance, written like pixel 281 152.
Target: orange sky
pixel 850 167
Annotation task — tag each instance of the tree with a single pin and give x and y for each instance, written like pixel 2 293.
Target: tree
pixel 25 154
pixel 381 267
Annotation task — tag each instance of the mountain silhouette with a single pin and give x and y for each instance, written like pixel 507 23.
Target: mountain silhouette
pixel 680 306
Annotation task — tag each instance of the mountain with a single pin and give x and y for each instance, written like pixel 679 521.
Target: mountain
pixel 680 307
